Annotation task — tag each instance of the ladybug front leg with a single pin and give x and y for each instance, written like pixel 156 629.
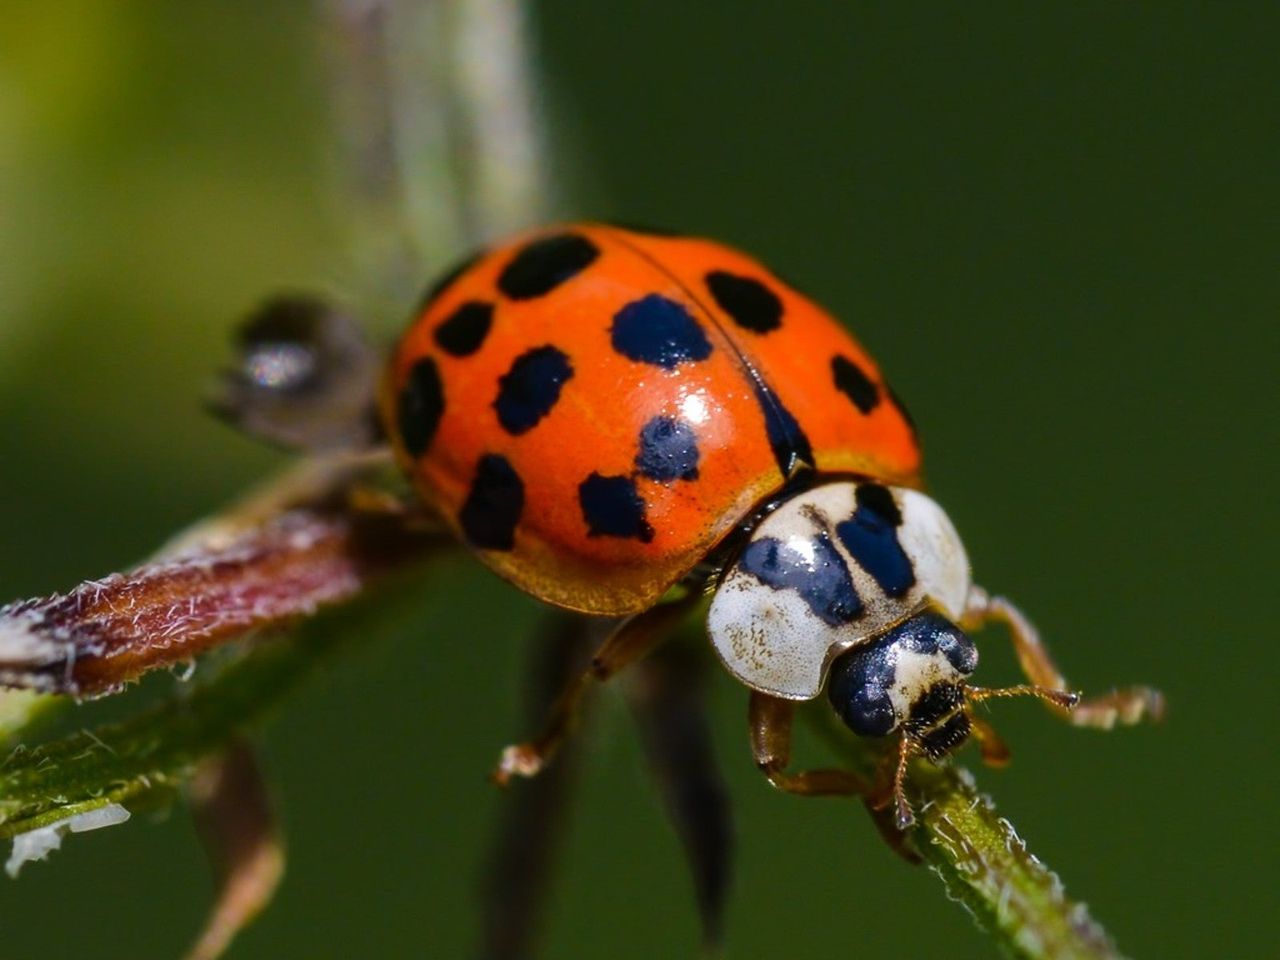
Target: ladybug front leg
pixel 1126 705
pixel 631 641
pixel 770 720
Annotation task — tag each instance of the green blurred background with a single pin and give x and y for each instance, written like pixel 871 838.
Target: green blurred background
pixel 1056 226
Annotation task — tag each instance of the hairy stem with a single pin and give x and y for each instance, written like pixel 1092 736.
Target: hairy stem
pixel 158 750
pixel 983 863
pixel 986 866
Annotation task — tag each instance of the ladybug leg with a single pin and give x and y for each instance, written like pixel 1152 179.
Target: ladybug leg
pixel 521 862
pixel 995 752
pixel 1126 705
pixel 770 720
pixel 631 641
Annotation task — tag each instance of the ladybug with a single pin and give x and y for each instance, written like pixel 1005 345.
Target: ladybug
pixel 619 422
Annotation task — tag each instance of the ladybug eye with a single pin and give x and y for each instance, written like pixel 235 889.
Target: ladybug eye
pixel 304 378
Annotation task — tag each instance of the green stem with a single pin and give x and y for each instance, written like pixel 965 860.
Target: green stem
pixel 156 751
pixel 986 866
pixel 980 859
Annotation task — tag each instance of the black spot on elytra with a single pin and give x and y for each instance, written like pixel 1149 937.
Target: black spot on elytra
pixel 493 506
pixel 668 450
pixel 859 682
pixel 788 442
pixel 822 581
pixel 613 507
pixel 660 332
pixel 854 384
pixel 541 266
pixel 446 280
pixel 462 333
pixel 871 536
pixel 528 391
pixel 420 406
pixel 747 301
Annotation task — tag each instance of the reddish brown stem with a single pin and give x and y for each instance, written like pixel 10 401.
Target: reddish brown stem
pixel 107 632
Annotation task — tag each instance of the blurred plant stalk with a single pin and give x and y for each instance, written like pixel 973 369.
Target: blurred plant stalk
pixel 438 132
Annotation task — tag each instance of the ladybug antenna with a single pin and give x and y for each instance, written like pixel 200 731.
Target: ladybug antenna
pixel 995 753
pixel 1062 699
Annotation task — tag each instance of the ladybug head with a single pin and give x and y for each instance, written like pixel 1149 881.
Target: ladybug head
pixel 910 679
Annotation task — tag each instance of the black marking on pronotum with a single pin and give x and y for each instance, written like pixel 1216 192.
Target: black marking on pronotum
pixel 871 536
pixel 878 499
pixel 528 391
pixel 859 682
pixel 822 580
pixel 541 266
pixel 420 406
pixel 446 280
pixel 462 333
pixel 612 507
pixel 788 442
pixel 658 331
pixel 747 301
pixel 668 450
pixel 493 506
pixel 854 384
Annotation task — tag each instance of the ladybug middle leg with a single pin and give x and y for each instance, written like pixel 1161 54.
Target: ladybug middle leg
pixel 634 638
pixel 1126 705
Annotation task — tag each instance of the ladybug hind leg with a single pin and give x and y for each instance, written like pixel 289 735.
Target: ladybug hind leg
pixel 1126 705
pixel 633 639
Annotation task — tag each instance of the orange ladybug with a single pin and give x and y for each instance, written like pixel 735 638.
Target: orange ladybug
pixel 593 409
pixel 603 414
